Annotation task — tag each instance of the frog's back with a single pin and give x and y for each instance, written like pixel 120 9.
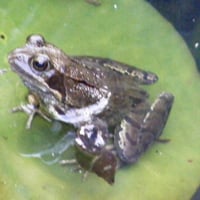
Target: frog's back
pixel 122 80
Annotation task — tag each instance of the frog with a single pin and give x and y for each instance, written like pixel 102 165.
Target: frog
pixel 101 98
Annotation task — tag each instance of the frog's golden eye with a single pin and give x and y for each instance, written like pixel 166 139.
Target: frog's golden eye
pixel 40 63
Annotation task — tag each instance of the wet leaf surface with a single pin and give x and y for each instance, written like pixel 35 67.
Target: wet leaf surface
pixel 128 31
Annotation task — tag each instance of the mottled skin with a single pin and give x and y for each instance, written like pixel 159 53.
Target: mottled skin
pixel 101 97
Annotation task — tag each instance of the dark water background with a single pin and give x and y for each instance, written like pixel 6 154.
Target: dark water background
pixel 185 17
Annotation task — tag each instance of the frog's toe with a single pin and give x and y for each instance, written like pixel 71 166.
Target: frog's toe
pixel 31 111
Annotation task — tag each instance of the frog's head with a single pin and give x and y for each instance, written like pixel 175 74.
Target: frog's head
pixel 37 59
pixel 38 63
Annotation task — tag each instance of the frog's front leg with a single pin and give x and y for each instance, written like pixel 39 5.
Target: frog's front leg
pixel 141 127
pixel 31 109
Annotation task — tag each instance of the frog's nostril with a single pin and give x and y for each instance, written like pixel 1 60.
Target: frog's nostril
pixel 20 58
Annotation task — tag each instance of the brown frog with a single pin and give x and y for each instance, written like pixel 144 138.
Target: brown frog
pixel 101 97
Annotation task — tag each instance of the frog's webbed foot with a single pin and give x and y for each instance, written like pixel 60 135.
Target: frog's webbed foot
pixel 141 127
pixel 31 110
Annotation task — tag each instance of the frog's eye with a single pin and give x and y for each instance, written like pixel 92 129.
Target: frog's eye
pixel 35 41
pixel 40 63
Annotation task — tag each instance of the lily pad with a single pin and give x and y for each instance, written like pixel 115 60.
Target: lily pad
pixel 128 31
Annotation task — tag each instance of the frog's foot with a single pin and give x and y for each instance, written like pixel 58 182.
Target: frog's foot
pixel 31 110
pixel 142 127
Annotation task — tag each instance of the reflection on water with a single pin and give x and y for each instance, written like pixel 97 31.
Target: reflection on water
pixel 53 154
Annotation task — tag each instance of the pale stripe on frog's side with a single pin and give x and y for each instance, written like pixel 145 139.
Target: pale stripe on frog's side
pixel 82 115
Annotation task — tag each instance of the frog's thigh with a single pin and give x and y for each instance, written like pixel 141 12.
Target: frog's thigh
pixel 141 127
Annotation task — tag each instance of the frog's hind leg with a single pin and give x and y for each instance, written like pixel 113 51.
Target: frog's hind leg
pixel 141 127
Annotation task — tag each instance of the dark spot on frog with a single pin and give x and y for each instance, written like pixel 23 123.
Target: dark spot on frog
pixel 94 134
pixel 56 82
pixel 59 110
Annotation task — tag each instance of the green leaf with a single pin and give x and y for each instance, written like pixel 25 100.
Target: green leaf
pixel 128 31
